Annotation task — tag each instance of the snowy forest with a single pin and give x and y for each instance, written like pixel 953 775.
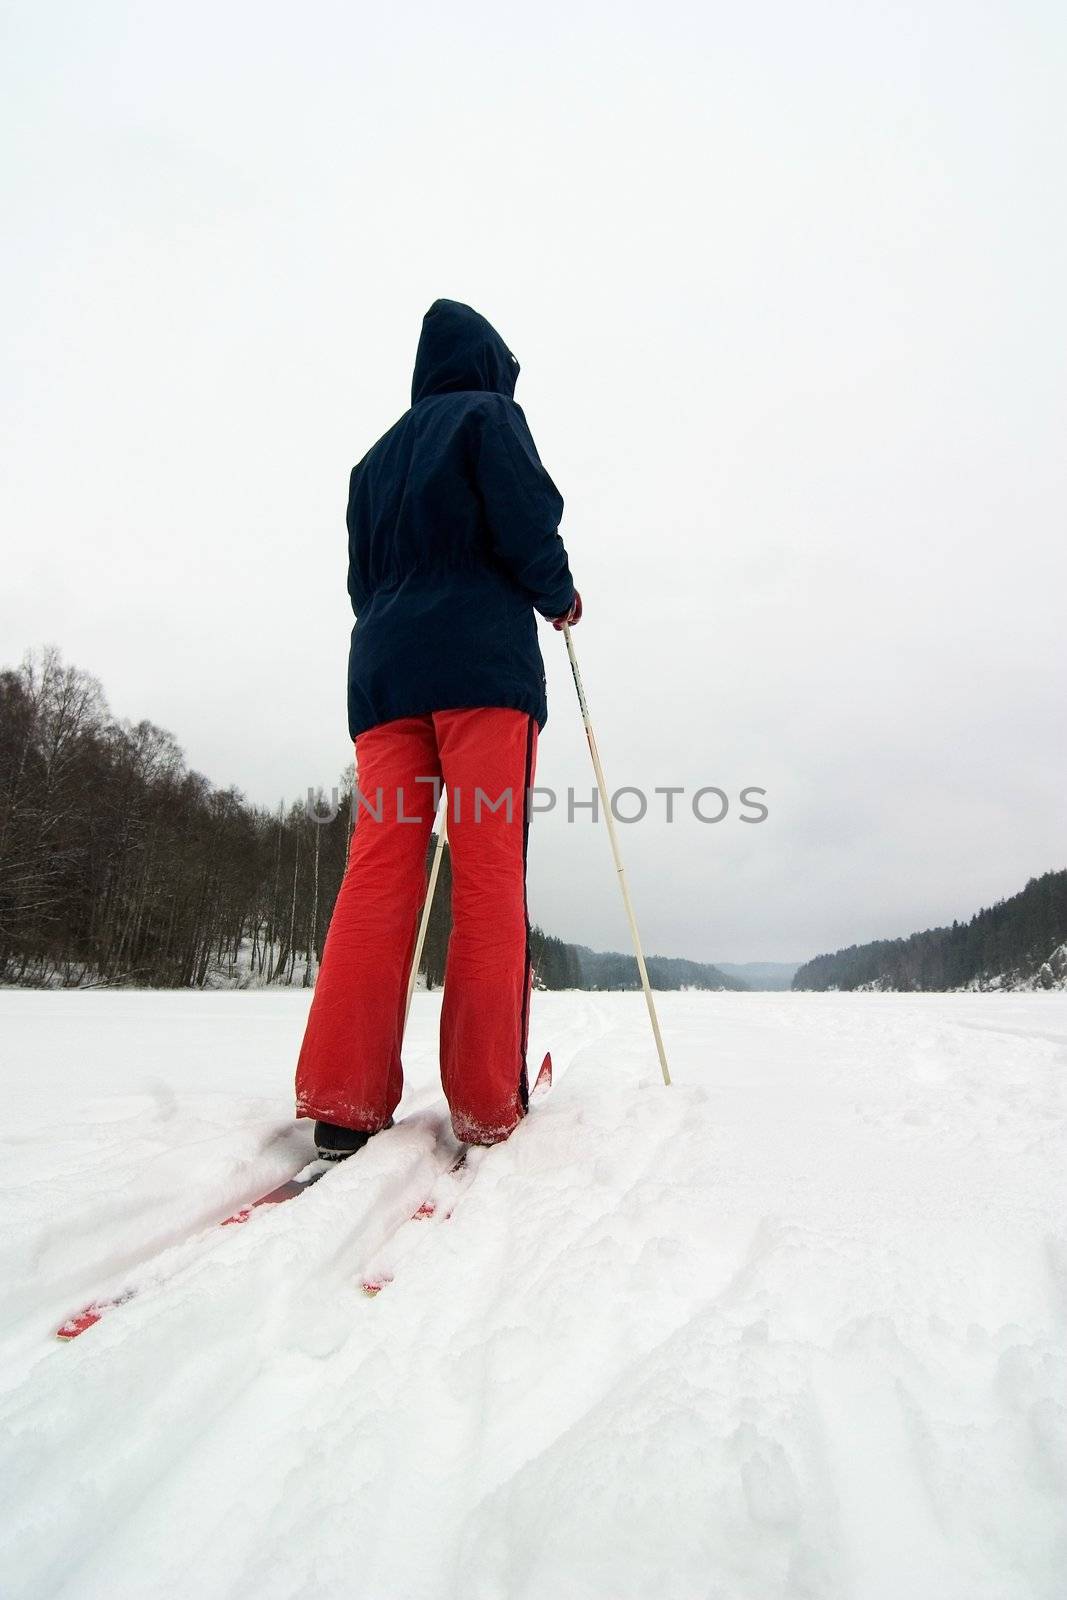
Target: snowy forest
pixel 1014 942
pixel 119 865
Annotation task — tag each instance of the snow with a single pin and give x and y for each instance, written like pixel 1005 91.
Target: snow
pixel 792 1327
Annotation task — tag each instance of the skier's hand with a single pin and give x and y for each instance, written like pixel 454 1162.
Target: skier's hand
pixel 573 615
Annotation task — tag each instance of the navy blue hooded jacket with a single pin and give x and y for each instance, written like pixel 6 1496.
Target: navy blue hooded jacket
pixel 452 540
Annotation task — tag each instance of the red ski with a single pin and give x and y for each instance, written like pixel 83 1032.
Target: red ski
pixel 446 1192
pixel 376 1280
pixel 92 1313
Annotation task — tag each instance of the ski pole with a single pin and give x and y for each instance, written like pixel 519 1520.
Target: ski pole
pixel 610 820
pixel 424 922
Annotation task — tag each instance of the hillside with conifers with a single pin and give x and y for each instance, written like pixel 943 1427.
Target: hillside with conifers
pixel 1016 943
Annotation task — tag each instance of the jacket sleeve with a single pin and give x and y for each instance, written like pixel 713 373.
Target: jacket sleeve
pixel 522 508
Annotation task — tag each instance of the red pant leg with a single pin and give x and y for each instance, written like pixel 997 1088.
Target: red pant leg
pixel 349 1071
pixel 485 1012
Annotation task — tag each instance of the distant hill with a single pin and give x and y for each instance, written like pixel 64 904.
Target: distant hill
pixel 610 969
pixel 761 974
pixel 1016 943
pixel 574 966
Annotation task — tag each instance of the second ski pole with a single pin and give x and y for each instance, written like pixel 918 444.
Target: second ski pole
pixel 610 820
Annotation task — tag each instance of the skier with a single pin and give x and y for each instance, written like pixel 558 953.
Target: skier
pixel 453 544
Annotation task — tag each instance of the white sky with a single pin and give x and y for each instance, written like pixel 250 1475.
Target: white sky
pixel 787 287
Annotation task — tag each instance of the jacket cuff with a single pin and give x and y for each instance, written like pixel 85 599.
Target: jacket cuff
pixel 557 605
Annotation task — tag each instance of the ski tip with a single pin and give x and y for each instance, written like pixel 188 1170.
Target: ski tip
pixel 544 1077
pixel 85 1319
pixel 75 1325
pixel 91 1316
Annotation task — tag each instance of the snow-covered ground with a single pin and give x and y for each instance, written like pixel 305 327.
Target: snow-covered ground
pixel 793 1327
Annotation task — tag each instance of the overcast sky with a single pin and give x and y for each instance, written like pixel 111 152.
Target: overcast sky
pixel 787 286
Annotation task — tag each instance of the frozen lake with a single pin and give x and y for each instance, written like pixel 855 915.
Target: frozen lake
pixel 792 1327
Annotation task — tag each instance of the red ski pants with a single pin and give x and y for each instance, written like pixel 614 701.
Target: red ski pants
pixel 349 1072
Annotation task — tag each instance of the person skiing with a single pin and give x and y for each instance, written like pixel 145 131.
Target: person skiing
pixel 453 543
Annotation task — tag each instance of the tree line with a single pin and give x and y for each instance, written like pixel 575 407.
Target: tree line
pixel 1009 942
pixel 120 865
pixel 610 969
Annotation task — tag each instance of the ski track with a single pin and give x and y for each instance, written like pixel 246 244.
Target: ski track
pixel 791 1328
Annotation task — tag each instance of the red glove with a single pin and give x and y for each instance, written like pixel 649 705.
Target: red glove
pixel 573 615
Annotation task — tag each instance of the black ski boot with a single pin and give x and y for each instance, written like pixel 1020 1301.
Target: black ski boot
pixel 334 1143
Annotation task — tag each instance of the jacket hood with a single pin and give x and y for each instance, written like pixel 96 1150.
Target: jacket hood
pixel 458 349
